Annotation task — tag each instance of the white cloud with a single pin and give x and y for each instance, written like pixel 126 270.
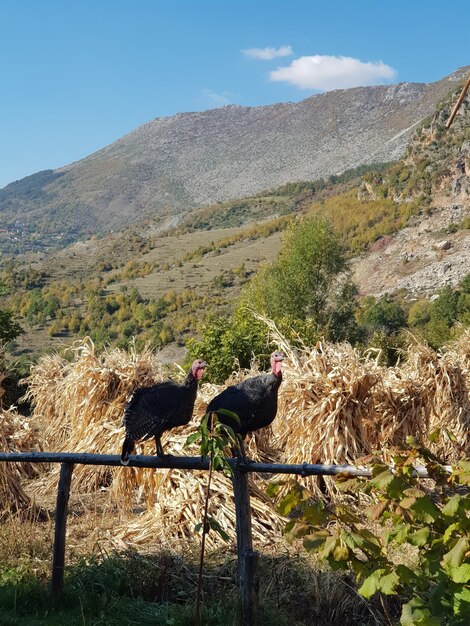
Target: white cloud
pixel 330 72
pixel 267 54
pixel 220 99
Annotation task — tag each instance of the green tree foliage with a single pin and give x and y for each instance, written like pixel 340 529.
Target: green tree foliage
pixel 419 313
pixel 440 320
pixel 444 309
pixel 228 343
pixel 380 322
pixel 307 281
pixel 9 328
pixel 465 284
pixel 306 291
pixel 419 545
pixel 382 315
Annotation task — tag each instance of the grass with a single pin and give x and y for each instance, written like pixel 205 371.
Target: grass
pixel 107 588
pixel 128 589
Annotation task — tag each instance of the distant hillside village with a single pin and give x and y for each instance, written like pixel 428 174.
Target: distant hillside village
pixel 20 237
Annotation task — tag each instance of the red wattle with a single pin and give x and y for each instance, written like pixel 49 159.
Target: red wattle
pixel 277 368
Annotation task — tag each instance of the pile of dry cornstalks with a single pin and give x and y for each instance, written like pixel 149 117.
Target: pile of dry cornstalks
pixel 335 406
pixel 79 403
pixel 16 435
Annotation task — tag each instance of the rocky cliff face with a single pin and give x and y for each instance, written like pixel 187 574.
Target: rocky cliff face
pixel 171 165
pixel 434 249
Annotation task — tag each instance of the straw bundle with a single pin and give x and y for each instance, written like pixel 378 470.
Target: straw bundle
pixel 81 402
pixel 46 387
pixel 16 435
pixel 445 379
pixel 400 410
pixel 175 502
pixel 324 405
pixel 460 350
pixel 335 406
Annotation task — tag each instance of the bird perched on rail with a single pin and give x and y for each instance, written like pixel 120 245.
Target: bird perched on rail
pixel 153 410
pixel 254 400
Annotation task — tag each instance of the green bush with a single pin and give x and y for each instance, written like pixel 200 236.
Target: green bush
pixel 228 343
pixel 382 315
pixel 307 281
pixel 444 309
pixel 9 328
pixel 419 544
pixel 419 313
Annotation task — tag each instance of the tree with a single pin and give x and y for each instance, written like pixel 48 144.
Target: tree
pixel 382 315
pixel 9 329
pixel 228 343
pixel 419 313
pixel 465 284
pixel 444 309
pixel 308 280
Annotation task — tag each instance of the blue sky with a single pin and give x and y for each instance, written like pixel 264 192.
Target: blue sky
pixel 77 75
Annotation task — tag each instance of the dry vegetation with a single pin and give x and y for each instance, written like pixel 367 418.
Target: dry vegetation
pixel 336 406
pixel 16 434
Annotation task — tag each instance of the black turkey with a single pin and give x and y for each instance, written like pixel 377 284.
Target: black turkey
pixel 254 400
pixel 153 410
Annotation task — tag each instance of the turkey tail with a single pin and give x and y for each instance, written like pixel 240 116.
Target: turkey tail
pixel 127 448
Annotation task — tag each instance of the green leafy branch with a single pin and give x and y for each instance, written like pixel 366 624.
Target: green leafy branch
pixel 422 547
pixel 214 438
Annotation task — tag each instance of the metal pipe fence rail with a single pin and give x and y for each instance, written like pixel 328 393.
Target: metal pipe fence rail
pixel 247 569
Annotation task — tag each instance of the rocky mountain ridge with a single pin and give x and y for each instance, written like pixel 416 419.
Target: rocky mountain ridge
pixel 169 166
pixel 433 250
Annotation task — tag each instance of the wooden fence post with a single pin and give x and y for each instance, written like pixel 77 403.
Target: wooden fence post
pixel 58 558
pixel 248 559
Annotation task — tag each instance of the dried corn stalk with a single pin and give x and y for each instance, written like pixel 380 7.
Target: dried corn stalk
pixel 175 501
pixel 16 435
pixel 80 403
pixel 336 405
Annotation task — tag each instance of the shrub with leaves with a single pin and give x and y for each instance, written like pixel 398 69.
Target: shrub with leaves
pixel 421 545
pixel 308 280
pixel 9 328
pixel 214 439
pixel 229 344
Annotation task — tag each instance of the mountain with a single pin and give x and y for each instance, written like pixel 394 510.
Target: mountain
pixel 405 225
pixel 432 184
pixel 169 166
